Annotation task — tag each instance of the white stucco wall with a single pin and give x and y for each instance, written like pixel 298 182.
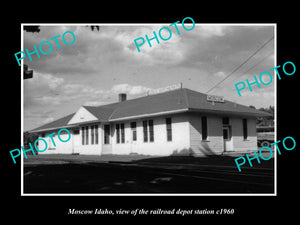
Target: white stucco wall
pixel 241 145
pixel 186 136
pixel 160 146
pixel 214 142
pixel 81 116
pixel 60 148
pixel 74 145
pixel 88 149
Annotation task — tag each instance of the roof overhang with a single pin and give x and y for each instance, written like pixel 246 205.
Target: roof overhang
pixel 149 115
pixel 234 113
pixel 51 129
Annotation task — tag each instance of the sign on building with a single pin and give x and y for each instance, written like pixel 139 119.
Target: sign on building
pixel 215 98
pixel 164 89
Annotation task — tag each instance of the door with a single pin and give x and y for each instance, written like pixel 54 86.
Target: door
pixel 133 138
pixel 77 141
pixel 227 139
pixel 106 147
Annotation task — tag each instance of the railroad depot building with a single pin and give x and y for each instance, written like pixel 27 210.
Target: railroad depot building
pixel 173 122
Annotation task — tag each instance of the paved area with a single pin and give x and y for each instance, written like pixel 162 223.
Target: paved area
pixel 143 174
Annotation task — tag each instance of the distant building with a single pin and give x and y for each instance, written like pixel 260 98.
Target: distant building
pixel 173 122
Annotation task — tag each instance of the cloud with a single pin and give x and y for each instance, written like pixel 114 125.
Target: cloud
pixel 209 31
pixel 46 89
pixel 42 88
pixel 160 53
pixel 42 80
pixel 220 74
pixel 35 117
pixel 94 103
pixel 48 120
pixel 100 65
pixel 129 89
pixel 205 31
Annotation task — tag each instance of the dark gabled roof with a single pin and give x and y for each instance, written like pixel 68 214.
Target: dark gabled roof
pixel 102 112
pixel 151 104
pixel 198 102
pixel 56 124
pixel 178 100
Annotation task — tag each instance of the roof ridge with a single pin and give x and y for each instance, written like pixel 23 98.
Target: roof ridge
pixel 113 113
pixel 150 95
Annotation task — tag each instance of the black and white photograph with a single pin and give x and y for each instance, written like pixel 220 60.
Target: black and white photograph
pixel 149 108
pixel 189 116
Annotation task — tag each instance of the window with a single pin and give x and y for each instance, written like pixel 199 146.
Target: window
pixel 122 133
pixel 145 130
pixel 148 127
pixel 245 129
pixel 118 132
pixel 96 134
pixel 106 133
pixel 226 133
pixel 86 135
pixel 151 131
pixel 92 135
pixel 82 135
pixel 76 131
pixel 225 121
pixel 50 143
pixel 204 128
pixel 133 130
pixel 169 129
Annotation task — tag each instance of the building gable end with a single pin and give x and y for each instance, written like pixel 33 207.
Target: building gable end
pixel 82 115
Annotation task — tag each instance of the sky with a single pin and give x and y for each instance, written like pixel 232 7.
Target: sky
pixel 101 64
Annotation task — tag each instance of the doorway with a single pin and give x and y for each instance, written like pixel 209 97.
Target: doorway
pixel 133 138
pixel 227 139
pixel 106 147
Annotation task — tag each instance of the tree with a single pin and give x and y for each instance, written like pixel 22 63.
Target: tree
pixel 267 120
pixel 37 29
pixel 29 138
pixel 95 27
pixel 32 29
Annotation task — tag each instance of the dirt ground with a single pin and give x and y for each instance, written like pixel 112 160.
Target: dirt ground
pixel 69 174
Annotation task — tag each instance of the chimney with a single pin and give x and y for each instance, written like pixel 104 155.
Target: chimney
pixel 122 97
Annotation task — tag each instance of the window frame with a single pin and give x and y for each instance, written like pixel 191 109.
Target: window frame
pixel 204 128
pixel 106 134
pixel 133 131
pixel 96 135
pixel 245 129
pixel 145 130
pixel 151 130
pixel 118 133
pixel 122 133
pixel 169 129
pixel 82 135
pixel 87 135
pixel 226 121
pixel 92 135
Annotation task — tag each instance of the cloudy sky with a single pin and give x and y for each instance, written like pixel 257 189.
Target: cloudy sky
pixel 101 64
